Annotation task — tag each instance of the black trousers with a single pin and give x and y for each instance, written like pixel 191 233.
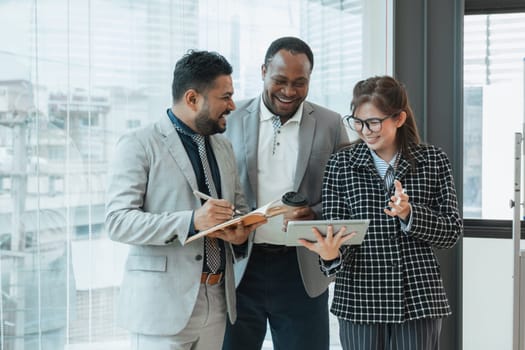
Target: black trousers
pixel 272 292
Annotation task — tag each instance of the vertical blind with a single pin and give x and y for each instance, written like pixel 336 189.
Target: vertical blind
pixel 74 76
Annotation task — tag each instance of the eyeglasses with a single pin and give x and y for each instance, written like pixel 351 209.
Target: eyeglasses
pixel 373 124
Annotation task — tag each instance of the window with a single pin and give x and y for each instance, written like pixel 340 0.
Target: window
pixel 75 75
pixel 133 123
pixel 494 53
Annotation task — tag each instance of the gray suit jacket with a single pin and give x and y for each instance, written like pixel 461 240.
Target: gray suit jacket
pixel 149 206
pixel 320 134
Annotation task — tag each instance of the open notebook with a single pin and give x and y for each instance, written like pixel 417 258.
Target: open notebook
pixel 268 210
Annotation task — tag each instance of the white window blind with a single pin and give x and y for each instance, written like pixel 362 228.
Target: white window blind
pixel 74 76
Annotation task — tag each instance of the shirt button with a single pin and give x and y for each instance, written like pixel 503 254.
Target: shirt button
pixel 394 263
pixel 198 257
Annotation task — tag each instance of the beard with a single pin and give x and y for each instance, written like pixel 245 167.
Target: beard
pixel 207 126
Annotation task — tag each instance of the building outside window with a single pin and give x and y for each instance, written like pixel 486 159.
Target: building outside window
pixel 74 76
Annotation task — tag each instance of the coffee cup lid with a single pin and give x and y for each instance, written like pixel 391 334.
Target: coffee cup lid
pixel 294 199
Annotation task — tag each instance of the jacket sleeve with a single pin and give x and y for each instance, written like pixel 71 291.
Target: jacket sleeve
pixel 438 223
pixel 126 221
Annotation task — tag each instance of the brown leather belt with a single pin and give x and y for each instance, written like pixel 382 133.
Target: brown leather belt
pixel 211 278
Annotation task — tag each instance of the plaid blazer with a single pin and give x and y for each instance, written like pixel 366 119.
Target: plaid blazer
pixel 393 276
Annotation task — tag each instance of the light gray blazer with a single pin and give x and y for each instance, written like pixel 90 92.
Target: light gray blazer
pixel 149 206
pixel 321 132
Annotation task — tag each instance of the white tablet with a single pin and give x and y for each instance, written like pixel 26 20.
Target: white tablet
pixel 303 230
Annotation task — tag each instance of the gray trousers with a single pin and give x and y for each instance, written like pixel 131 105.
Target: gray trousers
pixel 420 334
pixel 204 331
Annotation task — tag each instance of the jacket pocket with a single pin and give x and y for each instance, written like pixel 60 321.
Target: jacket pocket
pixel 147 263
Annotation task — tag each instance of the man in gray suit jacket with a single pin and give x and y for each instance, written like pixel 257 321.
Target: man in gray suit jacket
pixel 173 295
pixel 282 143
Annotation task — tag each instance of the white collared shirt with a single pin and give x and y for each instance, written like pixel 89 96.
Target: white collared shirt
pixel 381 165
pixel 275 171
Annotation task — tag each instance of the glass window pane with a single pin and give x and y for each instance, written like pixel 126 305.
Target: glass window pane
pixel 494 52
pixel 74 76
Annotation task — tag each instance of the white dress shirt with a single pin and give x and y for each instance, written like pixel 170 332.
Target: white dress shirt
pixel 275 170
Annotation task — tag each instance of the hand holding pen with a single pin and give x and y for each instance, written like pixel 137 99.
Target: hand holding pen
pixel 213 212
pixel 399 203
pixel 204 196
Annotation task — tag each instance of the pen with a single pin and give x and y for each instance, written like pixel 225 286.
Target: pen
pixel 398 200
pixel 201 195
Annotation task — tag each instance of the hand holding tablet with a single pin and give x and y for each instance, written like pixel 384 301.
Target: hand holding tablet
pixel 303 230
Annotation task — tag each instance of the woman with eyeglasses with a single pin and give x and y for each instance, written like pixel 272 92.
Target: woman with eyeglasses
pixel 389 292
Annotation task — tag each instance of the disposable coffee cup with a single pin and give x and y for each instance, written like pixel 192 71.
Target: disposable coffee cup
pixel 294 199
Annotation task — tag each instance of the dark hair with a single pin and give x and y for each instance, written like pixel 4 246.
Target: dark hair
pixel 292 44
pixel 390 97
pixel 197 70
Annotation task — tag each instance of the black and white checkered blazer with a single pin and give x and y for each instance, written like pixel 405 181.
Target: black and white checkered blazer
pixel 394 275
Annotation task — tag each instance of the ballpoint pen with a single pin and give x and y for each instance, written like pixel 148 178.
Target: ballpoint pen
pixel 201 195
pixel 398 200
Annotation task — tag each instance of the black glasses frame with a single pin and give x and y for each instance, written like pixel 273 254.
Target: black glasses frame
pixel 352 121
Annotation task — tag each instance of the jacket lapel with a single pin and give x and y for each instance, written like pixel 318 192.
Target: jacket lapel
pixel 404 164
pixel 250 123
pixel 177 150
pixel 306 137
pixel 225 171
pixel 402 168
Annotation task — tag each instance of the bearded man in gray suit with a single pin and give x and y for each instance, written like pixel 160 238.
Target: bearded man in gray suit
pixel 282 143
pixel 176 296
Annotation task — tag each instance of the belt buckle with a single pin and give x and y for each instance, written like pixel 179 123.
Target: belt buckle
pixel 221 276
pixel 209 275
